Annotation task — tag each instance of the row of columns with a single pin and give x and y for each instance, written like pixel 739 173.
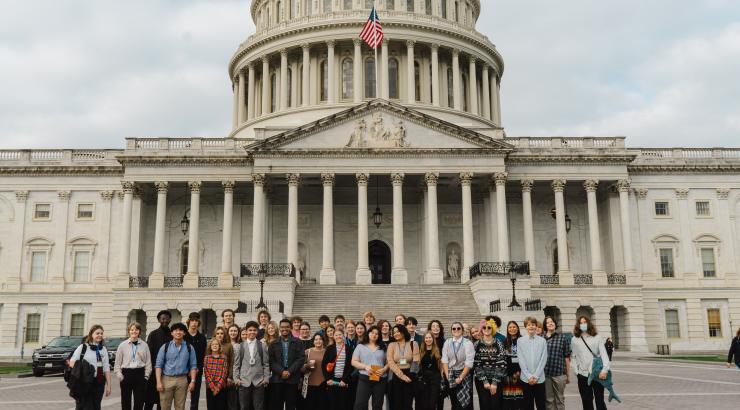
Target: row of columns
pixel 244 87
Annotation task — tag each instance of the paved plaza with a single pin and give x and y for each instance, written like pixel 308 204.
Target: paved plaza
pixel 641 384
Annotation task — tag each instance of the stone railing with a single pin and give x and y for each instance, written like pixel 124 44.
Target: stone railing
pixel 566 142
pixel 63 157
pixel 689 153
pixel 269 269
pixel 549 280
pixel 499 268
pixel 194 144
pixel 616 279
pixel 580 279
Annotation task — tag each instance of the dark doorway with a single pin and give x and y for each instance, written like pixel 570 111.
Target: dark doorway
pixel 380 262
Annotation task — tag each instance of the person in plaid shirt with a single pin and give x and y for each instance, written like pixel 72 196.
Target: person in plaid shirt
pixel 215 372
pixel 557 366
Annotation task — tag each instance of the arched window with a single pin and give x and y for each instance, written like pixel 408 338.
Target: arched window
pixel 393 78
pixel 443 8
pixel 450 89
pixel 327 6
pixel 465 91
pixel 410 5
pixel 290 87
pixel 273 92
pixel 324 79
pixel 428 7
pixel 370 86
pixel 348 4
pixel 184 258
pixel 347 79
pixel 390 4
pixel 417 81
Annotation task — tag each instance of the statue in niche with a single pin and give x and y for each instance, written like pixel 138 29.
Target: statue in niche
pixel 357 139
pixel 398 136
pixel 301 262
pixel 453 264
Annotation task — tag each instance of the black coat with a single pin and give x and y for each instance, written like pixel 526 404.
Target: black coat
pixel 156 339
pixel 81 378
pixel 734 351
pixel 296 357
pixel 199 343
pixel 330 356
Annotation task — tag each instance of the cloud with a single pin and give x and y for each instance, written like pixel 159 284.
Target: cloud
pixel 84 74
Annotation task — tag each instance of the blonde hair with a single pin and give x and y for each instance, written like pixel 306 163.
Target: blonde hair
pixel 216 342
pixel 268 338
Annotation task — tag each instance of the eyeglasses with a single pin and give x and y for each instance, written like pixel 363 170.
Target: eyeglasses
pixel 488 328
pixel 456 328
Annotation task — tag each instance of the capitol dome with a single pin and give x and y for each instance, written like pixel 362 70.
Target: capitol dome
pixel 306 61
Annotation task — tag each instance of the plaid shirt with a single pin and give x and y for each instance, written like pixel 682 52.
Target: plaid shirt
pixel 215 372
pixel 558 349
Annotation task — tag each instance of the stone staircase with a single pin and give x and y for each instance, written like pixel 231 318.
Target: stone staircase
pixel 446 303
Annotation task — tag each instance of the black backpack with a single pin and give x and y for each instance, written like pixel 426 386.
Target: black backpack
pixel 81 379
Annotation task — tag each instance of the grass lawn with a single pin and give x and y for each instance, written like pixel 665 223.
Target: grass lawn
pixel 13 368
pixel 698 358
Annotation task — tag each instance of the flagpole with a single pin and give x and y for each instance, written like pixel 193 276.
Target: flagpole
pixel 377 84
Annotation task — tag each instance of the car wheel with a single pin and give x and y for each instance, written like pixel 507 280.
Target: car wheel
pixel 38 372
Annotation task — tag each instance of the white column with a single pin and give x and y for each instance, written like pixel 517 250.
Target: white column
pixel 435 75
pixel 566 278
pixel 226 276
pixel 399 275
pixel 456 81
pixel 728 222
pixel 306 82
pixel 466 179
pixel 124 260
pixel 623 185
pixel 486 87
pixel 265 85
pixel 251 97
pixel 492 221
pixel 472 86
pixel 283 79
pixel 597 266
pixel 191 277
pixel 494 102
pixel 258 219
pixel 502 221
pixel 529 254
pixel 157 276
pixel 235 101
pixel 242 103
pixel 328 276
pixel 357 71
pixel 362 275
pixel 293 181
pixel 434 273
pixel 383 75
pixel 498 100
pixel 410 78
pixel 330 72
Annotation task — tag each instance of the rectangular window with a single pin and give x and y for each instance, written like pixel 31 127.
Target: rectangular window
pixel 410 5
pixel 42 212
pixel 443 9
pixel 702 208
pixel 85 211
pixel 661 208
pixel 714 322
pixel 38 266
pixel 666 262
pixel 77 324
pixel 672 327
pixel 33 327
pixel 707 262
pixel 82 266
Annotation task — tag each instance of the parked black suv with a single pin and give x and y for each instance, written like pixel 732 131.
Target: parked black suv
pixel 52 358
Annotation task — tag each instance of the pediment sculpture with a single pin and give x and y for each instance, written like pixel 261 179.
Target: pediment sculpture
pixel 377 136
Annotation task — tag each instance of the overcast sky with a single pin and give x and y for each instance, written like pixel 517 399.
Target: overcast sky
pixel 87 74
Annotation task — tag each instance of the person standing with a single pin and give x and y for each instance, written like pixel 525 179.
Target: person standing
pixel 400 319
pixel 295 325
pixel 339 323
pixel 361 330
pixel 489 367
pixel 370 359
pixel 305 336
pixel 369 319
pixel 609 346
pixel 315 389
pixel 411 324
pixel 498 335
pixel 215 373
pixel 227 317
pixel 93 351
pixel 430 375
pixel 251 369
pixel 324 323
pixel 337 370
pixel 198 341
pixel 133 366
pixel 350 335
pixel 558 365
pixel 402 353
pixel 232 392
pixel 286 358
pixel 532 350
pixel 385 333
pixel 175 360
pixel 513 393
pixel 734 350
pixel 458 358
pixel 157 338
pixel 585 345
pixel 263 318
pixel 271 333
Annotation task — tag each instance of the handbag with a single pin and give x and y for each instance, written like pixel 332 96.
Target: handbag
pixel 415 366
pixel 330 365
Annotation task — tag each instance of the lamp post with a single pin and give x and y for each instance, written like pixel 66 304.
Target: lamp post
pixel 512 276
pixel 185 223
pixel 262 275
pixel 377 215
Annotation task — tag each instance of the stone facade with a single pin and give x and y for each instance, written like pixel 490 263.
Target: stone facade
pixel 645 241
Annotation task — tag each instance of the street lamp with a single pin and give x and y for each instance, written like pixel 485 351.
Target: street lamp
pixel 185 223
pixel 568 221
pixel 262 276
pixel 512 276
pixel 377 215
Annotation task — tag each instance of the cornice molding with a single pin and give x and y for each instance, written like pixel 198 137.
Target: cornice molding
pixel 187 160
pixel 684 169
pixel 54 170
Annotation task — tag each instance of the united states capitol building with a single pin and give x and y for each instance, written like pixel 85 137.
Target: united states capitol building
pixel 401 181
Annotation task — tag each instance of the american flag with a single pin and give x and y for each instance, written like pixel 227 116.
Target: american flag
pixel 372 33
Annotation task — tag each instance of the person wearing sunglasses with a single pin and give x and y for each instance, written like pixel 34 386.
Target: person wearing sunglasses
pixel 458 357
pixel 490 367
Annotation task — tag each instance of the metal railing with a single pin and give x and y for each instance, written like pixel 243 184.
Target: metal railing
pixel 138 282
pixel 269 269
pixel 208 282
pixel 616 279
pixel 499 268
pixel 583 279
pixel 549 280
pixel 173 281
pixel 236 282
pixel 530 305
pixel 250 306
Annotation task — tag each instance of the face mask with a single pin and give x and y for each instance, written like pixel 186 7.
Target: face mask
pixel 583 327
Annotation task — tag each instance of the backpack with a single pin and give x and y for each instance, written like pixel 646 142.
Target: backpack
pixel 81 379
pixel 167 346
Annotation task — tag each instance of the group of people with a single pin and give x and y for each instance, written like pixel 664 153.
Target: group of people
pixel 349 364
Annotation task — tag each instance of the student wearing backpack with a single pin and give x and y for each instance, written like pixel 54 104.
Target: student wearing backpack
pixel 93 352
pixel 251 369
pixel 175 361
